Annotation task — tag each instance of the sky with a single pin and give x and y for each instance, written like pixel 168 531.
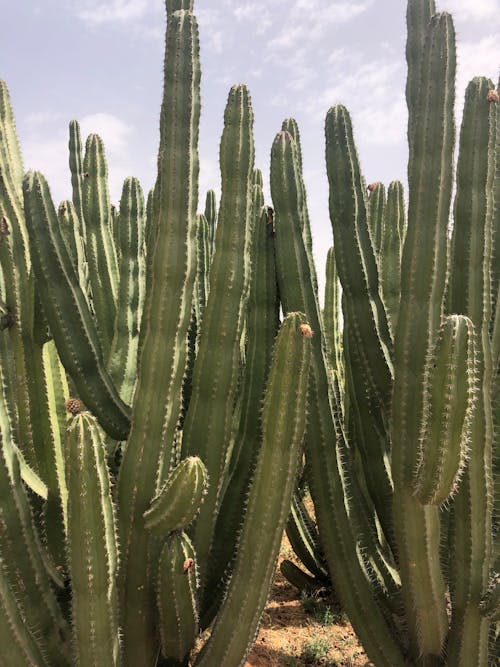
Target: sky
pixel 100 62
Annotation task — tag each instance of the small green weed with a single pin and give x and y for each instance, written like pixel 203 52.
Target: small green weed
pixel 315 650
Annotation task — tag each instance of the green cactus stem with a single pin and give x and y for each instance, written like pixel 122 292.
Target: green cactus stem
pixel 170 277
pixel 390 254
pixel 100 249
pixel 66 309
pixel 448 406
pixel 423 271
pixel 91 545
pixel 208 423
pixel 470 294
pixel 180 499
pixel 283 427
pixel 122 365
pixel 338 523
pixel 176 597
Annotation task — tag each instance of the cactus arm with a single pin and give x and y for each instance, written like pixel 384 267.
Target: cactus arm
pixel 15 262
pixel 72 233
pixel 20 548
pixel 122 365
pixel 66 309
pixel 390 255
pixel 418 15
pixel 377 204
pixel 176 597
pixel 329 476
pixel 298 578
pixel 208 424
pixel 211 216
pixel 423 270
pixel 180 499
pixel 91 545
pixel 449 402
pixel 18 642
pixel 364 314
pixel 261 327
pixel 100 249
pixel 304 539
pixel 331 314
pixel 203 265
pixel 167 313
pixel 283 427
pixel 470 295
pixel 77 171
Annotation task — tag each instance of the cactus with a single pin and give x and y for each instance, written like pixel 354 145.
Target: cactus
pixel 283 426
pixel 174 315
pixel 92 543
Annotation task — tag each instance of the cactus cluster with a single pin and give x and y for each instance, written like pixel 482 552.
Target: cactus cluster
pixel 153 410
pixel 404 498
pixel 151 405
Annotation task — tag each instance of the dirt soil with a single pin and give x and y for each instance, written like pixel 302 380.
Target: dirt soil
pixel 297 630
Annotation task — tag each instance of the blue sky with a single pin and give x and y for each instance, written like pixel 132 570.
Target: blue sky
pixel 100 61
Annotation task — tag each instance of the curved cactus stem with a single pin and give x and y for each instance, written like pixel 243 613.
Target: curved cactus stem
pixel 170 279
pixel 298 578
pixel 448 410
pixel 331 316
pixel 19 643
pixel 75 245
pixel 100 249
pixel 176 597
pixel 92 545
pixel 67 311
pixel 470 294
pixel 211 216
pixel 122 364
pixel 77 171
pixel 283 427
pixel 304 539
pixel 261 327
pixel 423 270
pixel 377 203
pixel 180 499
pixel 390 254
pixel 208 423
pixel 364 314
pixel 329 476
pixel 24 568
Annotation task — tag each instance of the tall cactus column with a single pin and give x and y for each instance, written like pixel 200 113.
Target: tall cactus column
pixel 167 313
pixel 208 424
pixel 283 425
pixel 470 294
pixel 423 272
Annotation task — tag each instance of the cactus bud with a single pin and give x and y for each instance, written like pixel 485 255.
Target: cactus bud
pixel 74 406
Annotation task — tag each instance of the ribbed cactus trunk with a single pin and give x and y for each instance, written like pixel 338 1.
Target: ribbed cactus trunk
pixel 423 271
pixel 167 313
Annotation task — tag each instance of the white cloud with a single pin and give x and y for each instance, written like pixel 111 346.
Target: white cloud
pixel 309 20
pixel 475 10
pixel 121 11
pixel 45 149
pixel 481 58
pixel 370 89
pixel 113 131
